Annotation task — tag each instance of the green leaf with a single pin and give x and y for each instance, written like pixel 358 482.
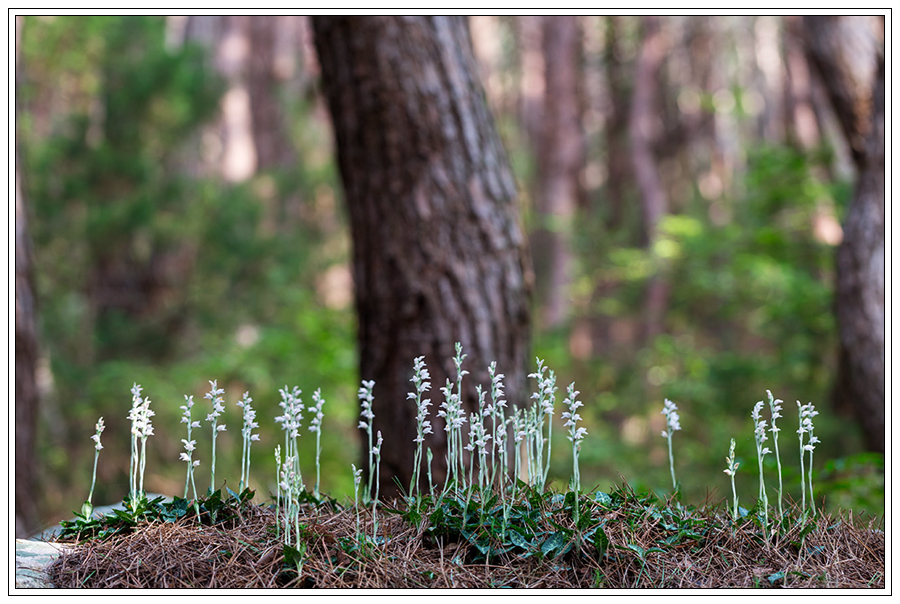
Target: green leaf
pixel 518 540
pixel 554 541
pixel 601 543
pixel 294 556
pixel 603 499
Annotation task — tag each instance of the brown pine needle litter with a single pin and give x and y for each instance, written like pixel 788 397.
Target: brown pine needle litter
pixel 643 551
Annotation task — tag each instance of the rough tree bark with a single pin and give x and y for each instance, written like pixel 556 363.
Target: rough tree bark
pixel 848 53
pixel 26 403
pixel 439 254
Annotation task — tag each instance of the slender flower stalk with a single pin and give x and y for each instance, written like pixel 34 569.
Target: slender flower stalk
pixel 420 380
pixel 731 469
pixel 189 445
pixel 357 478
pixel 543 414
pixel 248 437
pixel 429 458
pixel 807 412
pixel 761 451
pixel 576 435
pixel 376 451
pixel 454 418
pixel 470 447
pixel 775 409
pixel 141 429
pixel 291 484
pixel 481 438
pixel 673 425
pixel 291 421
pixel 278 492
pixel 214 397
pixel 88 507
pixel 316 426
pixel 498 423
pixel 365 423
pixel 519 436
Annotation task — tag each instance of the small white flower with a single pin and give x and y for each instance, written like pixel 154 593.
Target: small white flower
pixel 100 427
pixel 670 410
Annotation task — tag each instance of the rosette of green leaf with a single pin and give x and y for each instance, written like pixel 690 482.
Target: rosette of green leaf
pixel 214 396
pixel 88 507
pixel 247 437
pixel 315 425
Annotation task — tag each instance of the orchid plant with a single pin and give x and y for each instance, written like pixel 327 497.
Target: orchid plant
pixel 214 396
pixel 88 508
pixel 189 445
pixel 670 410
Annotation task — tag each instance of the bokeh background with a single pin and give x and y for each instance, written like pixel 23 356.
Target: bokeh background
pixel 186 222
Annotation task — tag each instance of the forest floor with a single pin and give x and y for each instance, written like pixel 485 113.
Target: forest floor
pixel 631 542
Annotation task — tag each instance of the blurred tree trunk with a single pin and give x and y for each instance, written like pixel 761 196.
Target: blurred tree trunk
pixel 643 130
pixel 848 53
pixel 439 255
pixel 802 122
pixel 26 403
pixel 531 80
pixel 618 165
pixel 560 154
pixel 273 149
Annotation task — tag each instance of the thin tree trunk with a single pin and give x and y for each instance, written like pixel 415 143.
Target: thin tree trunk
pixel 642 129
pixel 270 141
pixel 560 161
pixel 439 255
pixel 26 403
pixel 848 52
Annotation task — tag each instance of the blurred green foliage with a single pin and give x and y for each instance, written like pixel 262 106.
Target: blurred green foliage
pixel 229 281
pixel 225 275
pixel 749 310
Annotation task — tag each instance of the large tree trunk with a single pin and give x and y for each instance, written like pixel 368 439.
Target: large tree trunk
pixel 26 402
pixel 849 55
pixel 439 254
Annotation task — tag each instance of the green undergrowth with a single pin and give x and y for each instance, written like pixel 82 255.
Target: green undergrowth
pixel 539 526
